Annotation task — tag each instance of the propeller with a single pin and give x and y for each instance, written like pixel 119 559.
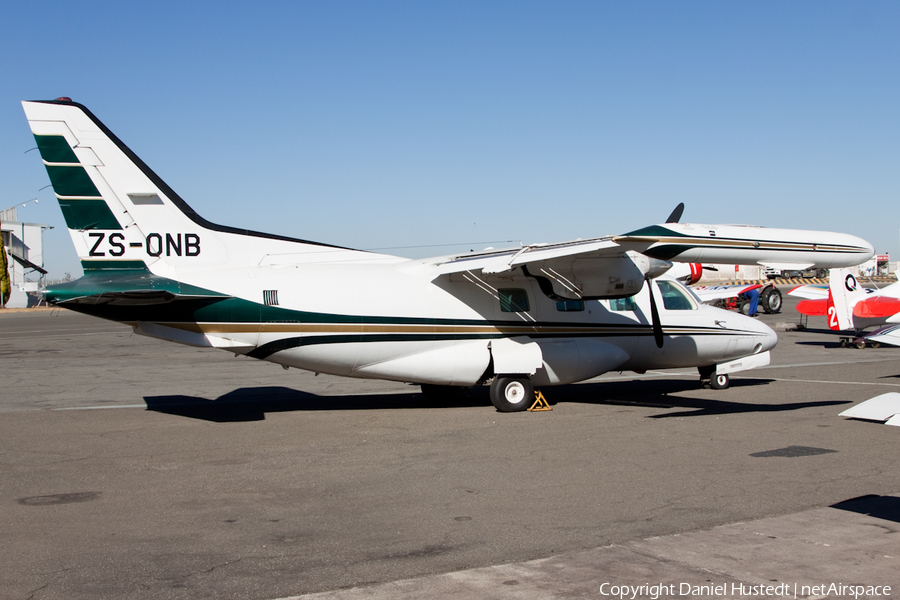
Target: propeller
pixel 654 316
pixel 676 214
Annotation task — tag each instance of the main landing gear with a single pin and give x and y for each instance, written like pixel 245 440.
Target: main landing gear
pixel 859 342
pixel 710 379
pixel 512 393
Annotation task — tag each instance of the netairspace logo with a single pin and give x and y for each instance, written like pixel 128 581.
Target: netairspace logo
pixel 737 590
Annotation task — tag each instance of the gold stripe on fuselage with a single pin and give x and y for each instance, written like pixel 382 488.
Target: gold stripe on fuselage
pixel 399 329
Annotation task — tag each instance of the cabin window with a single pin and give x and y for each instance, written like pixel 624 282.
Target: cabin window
pixel 570 305
pixel 513 300
pixel 674 298
pixel 623 304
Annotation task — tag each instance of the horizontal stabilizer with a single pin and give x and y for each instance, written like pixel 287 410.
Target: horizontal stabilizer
pixel 138 298
pixel 813 308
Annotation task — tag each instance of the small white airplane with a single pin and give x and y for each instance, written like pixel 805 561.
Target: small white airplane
pixel 849 306
pixel 542 314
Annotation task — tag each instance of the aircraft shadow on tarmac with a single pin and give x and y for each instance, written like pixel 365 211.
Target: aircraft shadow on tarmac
pixel 821 344
pixel 880 507
pixel 655 394
pixel 252 404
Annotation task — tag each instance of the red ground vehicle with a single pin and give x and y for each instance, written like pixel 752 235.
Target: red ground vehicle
pixel 770 299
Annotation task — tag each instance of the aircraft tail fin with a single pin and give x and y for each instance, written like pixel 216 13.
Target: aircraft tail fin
pixel 121 215
pixel 843 292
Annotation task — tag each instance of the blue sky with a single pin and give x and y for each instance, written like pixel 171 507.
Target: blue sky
pixel 419 124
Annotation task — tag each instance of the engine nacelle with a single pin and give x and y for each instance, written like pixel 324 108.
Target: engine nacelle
pixel 686 273
pixel 587 278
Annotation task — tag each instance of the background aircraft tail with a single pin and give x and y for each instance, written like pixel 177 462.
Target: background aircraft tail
pixel 843 292
pixel 121 215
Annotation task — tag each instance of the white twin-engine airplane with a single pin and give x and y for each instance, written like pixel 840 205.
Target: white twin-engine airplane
pixel 538 315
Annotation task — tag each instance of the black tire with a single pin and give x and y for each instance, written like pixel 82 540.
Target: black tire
pixel 719 382
pixel 771 301
pixel 744 307
pixel 512 393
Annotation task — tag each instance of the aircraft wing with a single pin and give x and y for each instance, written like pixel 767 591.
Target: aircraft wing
pixel 889 334
pixel 884 408
pixel 708 293
pixel 499 261
pixel 616 266
pixel 810 292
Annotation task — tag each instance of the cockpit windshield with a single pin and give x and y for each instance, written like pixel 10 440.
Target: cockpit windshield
pixel 675 296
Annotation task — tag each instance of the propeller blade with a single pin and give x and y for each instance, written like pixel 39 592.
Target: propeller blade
pixel 654 316
pixel 676 214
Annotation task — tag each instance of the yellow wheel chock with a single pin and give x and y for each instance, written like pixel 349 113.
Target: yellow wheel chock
pixel 540 403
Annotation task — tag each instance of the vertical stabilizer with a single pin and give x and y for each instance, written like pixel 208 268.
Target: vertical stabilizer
pixel 121 215
pixel 843 292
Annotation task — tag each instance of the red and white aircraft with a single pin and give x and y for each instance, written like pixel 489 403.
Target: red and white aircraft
pixel 725 296
pixel 847 305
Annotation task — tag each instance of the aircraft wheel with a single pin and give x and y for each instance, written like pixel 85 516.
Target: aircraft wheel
pixel 875 344
pixel 719 382
pixel 771 301
pixel 860 344
pixel 512 393
pixel 744 307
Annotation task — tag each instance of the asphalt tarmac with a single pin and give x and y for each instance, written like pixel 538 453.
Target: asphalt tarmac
pixel 135 468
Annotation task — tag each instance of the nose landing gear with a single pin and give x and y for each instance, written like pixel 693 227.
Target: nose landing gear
pixel 709 379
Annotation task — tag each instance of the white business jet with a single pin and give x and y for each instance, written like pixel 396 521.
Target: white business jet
pixel 538 315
